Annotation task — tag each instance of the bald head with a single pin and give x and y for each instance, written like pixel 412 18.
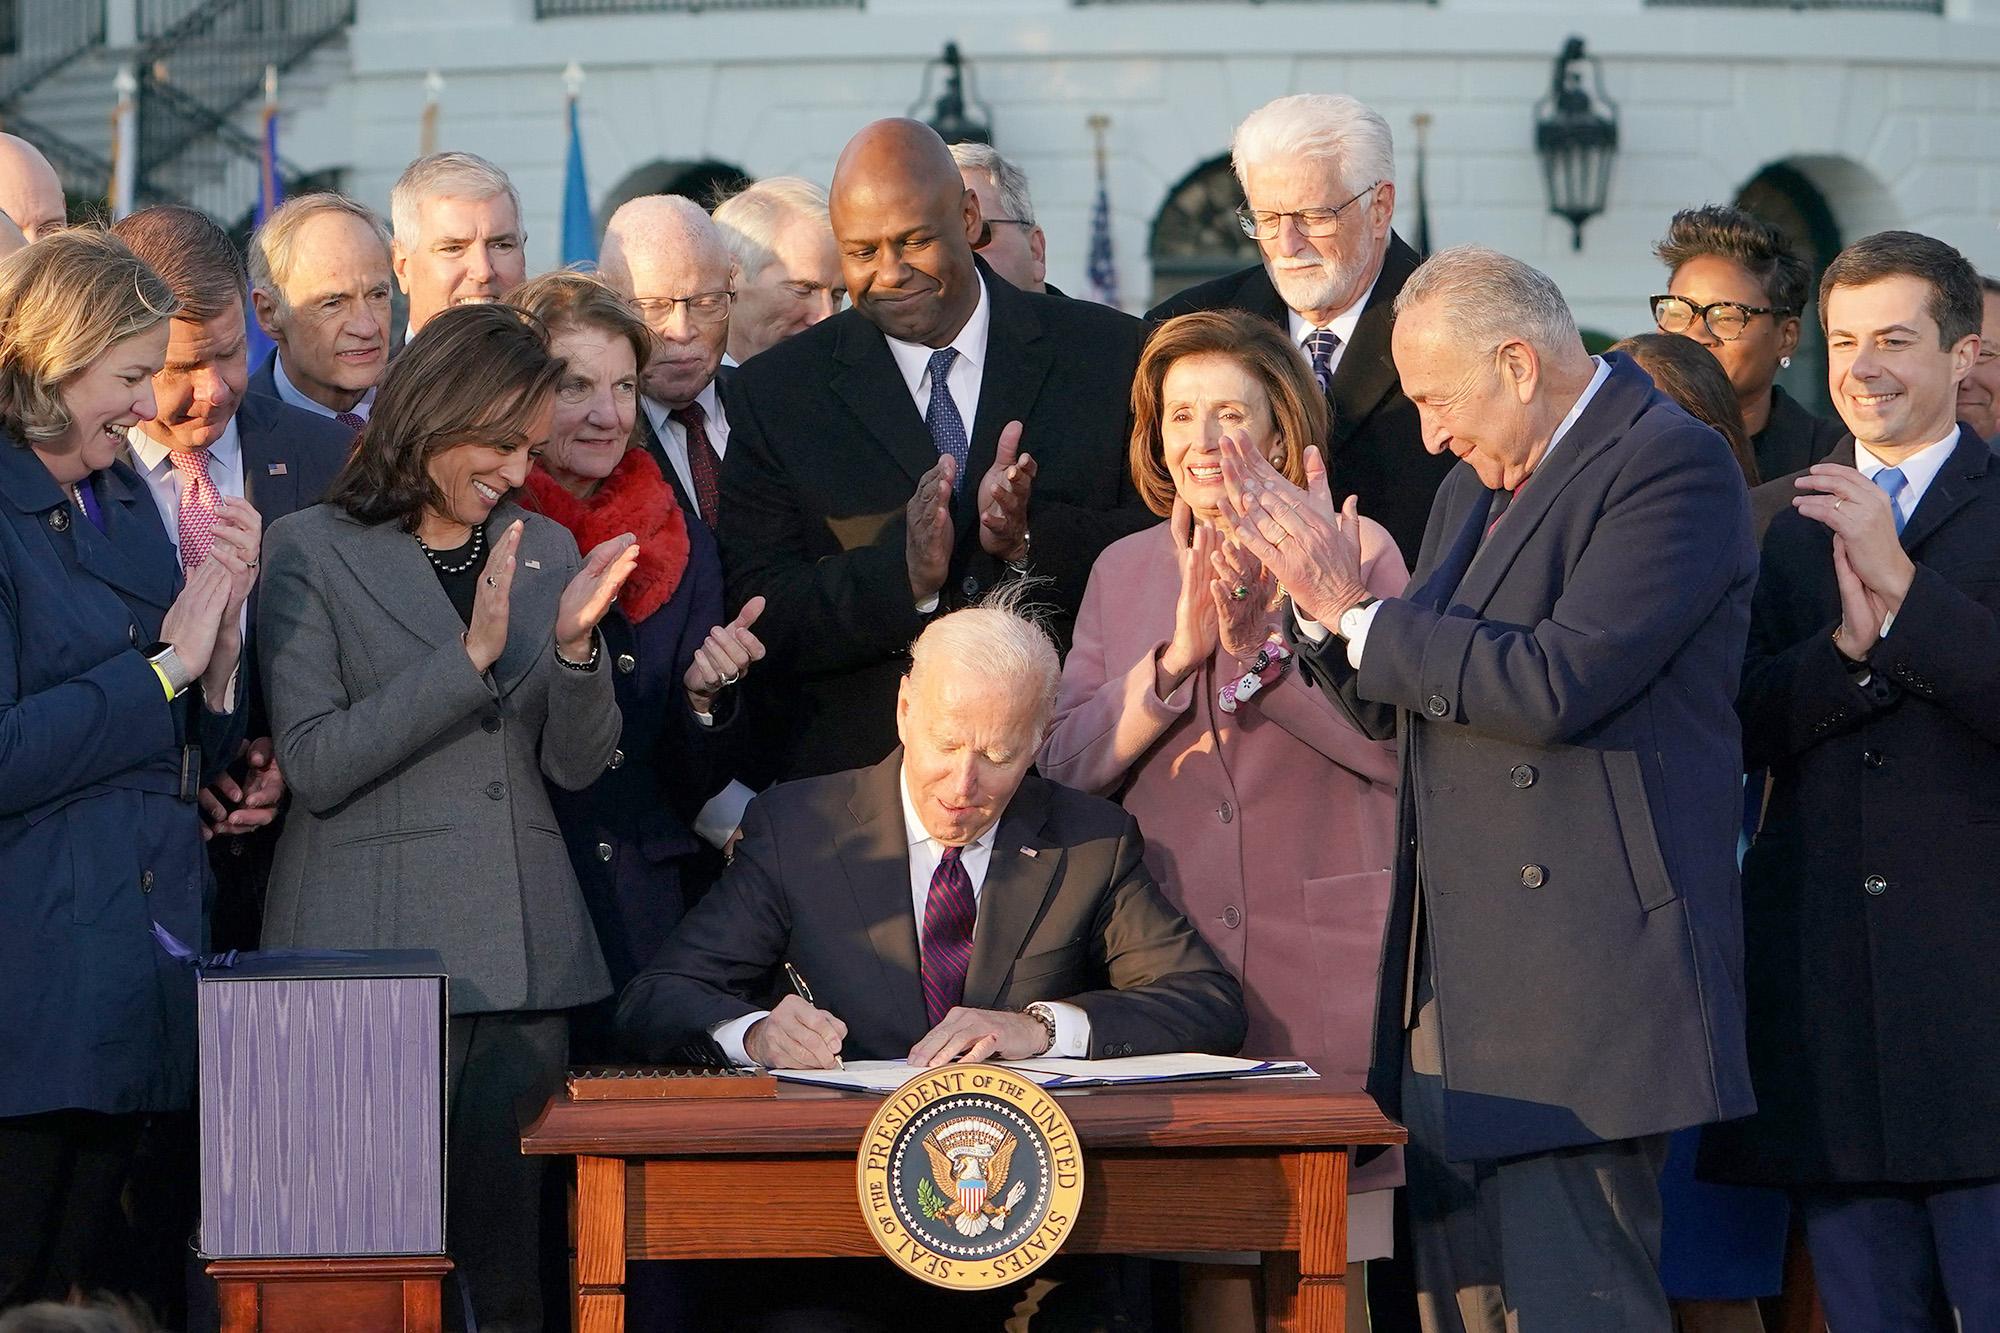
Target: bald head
pixel 659 251
pixel 30 192
pixel 906 226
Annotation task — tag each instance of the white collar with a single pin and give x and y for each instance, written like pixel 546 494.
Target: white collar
pixel 914 359
pixel 1919 469
pixel 708 400
pixel 298 397
pixel 1597 378
pixel 914 831
pixel 1340 326
pixel 226 451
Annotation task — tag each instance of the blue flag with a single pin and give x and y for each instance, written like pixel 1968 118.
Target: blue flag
pixel 1103 268
pixel 579 234
pixel 270 193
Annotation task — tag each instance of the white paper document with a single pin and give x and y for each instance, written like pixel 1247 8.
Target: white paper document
pixel 883 1076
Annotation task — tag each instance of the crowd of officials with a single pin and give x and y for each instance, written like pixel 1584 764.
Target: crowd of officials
pixel 1400 686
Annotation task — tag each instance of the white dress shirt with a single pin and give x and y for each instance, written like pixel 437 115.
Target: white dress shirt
pixel 968 368
pixel 674 437
pixel 1340 326
pixel 1072 1023
pixel 155 464
pixel 1356 632
pixel 1920 469
pixel 290 393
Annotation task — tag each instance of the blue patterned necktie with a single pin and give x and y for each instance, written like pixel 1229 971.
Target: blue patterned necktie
pixel 1320 347
pixel 947 426
pixel 1892 481
pixel 949 912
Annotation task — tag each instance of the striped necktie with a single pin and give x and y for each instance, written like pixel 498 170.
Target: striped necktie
pixel 947 936
pixel 1320 348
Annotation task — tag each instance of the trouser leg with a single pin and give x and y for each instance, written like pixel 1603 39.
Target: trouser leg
pixel 1581 1233
pixel 1965 1229
pixel 1873 1258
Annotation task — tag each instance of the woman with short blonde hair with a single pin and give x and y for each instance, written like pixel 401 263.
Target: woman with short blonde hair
pixel 117 702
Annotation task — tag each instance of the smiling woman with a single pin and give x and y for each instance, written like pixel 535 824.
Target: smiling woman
pixel 431 655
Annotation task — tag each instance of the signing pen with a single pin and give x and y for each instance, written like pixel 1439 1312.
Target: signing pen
pixel 804 992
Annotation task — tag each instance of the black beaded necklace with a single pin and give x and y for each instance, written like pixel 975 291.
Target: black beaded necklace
pixel 474 549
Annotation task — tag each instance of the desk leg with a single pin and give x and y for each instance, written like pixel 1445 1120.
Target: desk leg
pixel 1306 1292
pixel 599 1265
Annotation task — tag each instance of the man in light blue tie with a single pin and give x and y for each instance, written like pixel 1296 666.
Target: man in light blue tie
pixel 1872 691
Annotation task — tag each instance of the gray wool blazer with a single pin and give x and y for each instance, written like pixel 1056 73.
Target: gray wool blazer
pixel 419 818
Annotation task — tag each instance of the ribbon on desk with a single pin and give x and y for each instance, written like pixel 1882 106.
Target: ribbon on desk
pixel 228 958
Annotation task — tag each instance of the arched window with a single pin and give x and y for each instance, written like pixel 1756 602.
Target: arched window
pixel 1785 197
pixel 1195 236
pixel 704 181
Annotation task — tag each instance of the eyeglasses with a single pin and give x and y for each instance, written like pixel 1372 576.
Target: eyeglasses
pixel 1725 319
pixel 702 307
pixel 1314 222
pixel 1015 222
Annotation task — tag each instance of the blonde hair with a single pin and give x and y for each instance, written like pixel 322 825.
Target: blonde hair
pixel 272 244
pixel 998 639
pixel 63 302
pixel 751 219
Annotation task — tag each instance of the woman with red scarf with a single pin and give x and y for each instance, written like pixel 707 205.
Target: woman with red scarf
pixel 630 833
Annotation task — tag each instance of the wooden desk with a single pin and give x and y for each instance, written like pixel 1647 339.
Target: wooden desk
pixel 393 1294
pixel 1250 1165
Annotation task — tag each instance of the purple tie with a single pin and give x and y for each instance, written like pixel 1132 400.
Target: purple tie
pixel 354 421
pixel 1320 347
pixel 947 938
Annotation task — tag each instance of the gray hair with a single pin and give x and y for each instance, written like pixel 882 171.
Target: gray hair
pixel 1323 127
pixel 272 244
pixel 654 223
pixel 751 219
pixel 998 639
pixel 1009 180
pixel 444 176
pixel 1493 298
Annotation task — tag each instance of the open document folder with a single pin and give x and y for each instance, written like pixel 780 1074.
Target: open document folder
pixel 886 1076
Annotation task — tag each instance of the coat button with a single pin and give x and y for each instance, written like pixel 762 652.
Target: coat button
pixel 617 759
pixel 1225 812
pixel 1436 706
pixel 1875 886
pixel 1522 775
pixel 1231 917
pixel 1533 877
pixel 145 881
pixel 604 851
pixel 969 586
pixel 496 789
pixel 59 519
pixel 1872 759
pixel 132 635
pixel 490 723
pixel 627 664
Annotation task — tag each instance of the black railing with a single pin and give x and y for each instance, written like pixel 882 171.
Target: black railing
pixel 557 9
pixel 1880 6
pixel 1080 4
pixel 45 36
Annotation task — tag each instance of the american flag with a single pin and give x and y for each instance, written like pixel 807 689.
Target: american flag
pixel 1103 268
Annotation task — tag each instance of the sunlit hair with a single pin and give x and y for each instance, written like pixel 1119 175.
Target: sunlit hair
pixel 567 299
pixel 476 374
pixel 1750 243
pixel 656 224
pixel 1009 181
pixel 1252 342
pixel 444 176
pixel 751 219
pixel 193 256
pixel 998 640
pixel 273 246
pixel 1688 373
pixel 64 302
pixel 1955 303
pixel 1330 128
pixel 1493 299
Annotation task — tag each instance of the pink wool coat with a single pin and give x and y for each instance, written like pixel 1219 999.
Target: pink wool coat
pixel 1270 828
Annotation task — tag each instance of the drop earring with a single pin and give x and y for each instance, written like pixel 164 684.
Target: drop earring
pixel 1784 363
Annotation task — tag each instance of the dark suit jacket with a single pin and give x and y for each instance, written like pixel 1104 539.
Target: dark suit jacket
pixel 1793 439
pixel 825 450
pixel 1571 770
pixel 822 880
pixel 1375 447
pixel 724 377
pixel 1874 1013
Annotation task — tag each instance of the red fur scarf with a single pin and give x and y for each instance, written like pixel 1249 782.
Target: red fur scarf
pixel 635 498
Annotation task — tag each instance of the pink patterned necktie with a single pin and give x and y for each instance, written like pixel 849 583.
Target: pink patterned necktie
pixel 947 938
pixel 200 503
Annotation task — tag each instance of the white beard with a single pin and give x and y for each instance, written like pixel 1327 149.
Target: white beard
pixel 1316 288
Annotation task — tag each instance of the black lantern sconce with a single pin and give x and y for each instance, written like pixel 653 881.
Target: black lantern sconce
pixel 956 119
pixel 1576 136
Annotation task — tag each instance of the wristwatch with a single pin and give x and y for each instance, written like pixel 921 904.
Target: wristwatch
pixel 1350 619
pixel 1047 1016
pixel 1019 566
pixel 167 661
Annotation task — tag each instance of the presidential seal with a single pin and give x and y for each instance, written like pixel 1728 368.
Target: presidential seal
pixel 970 1176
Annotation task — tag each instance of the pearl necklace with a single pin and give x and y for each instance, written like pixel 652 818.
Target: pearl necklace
pixel 474 548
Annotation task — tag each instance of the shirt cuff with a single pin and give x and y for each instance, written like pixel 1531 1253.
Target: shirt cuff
pixel 928 605
pixel 1358 640
pixel 729 1035
pixel 1309 629
pixel 723 814
pixel 1072 1031
pixel 705 719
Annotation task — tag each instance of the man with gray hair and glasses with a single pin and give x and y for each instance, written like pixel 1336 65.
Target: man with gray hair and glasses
pixel 1562 971
pixel 1319 172
pixel 458 236
pixel 787 266
pixel 1015 247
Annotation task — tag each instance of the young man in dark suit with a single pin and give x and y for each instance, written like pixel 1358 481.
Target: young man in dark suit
pixel 1320 174
pixel 1872 692
pixel 1561 976
pixel 947 433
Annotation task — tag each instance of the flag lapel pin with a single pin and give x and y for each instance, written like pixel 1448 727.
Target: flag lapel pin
pixel 1029 851
pixel 534 564
pixel 276 469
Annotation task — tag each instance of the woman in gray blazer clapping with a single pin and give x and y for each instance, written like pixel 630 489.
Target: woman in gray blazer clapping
pixel 431 655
